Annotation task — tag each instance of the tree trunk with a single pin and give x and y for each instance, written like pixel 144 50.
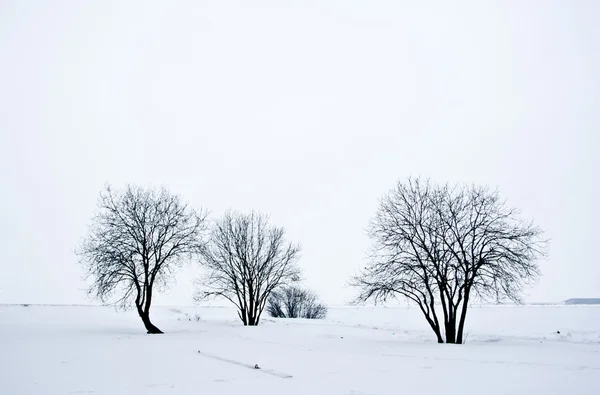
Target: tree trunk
pixel 144 309
pixel 447 310
pixel 244 316
pixel 463 316
pixel 433 323
pixel 252 318
pixel 449 321
pixel 150 327
pixel 438 334
pixel 450 329
pixel 436 329
pixel 259 312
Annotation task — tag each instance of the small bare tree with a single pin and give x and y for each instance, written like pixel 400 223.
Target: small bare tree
pixel 245 260
pixel 295 302
pixel 442 246
pixel 137 240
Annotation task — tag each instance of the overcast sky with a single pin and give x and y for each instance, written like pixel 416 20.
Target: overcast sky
pixel 307 110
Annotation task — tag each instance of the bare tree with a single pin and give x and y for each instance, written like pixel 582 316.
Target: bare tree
pixel 245 260
pixel 137 240
pixel 442 246
pixel 295 302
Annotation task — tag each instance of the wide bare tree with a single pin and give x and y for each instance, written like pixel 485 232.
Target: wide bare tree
pixel 441 246
pixel 245 260
pixel 137 240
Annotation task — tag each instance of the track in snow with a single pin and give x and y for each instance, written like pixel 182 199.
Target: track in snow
pixel 247 365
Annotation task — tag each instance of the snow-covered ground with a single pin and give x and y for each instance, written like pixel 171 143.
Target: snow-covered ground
pixel 46 350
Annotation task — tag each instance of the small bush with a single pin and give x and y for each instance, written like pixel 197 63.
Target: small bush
pixel 295 302
pixel 195 317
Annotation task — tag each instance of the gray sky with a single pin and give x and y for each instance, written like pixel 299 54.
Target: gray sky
pixel 307 110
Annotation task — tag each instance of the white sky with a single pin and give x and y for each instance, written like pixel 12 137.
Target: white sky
pixel 306 110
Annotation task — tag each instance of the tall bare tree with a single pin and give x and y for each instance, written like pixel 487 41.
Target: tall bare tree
pixel 138 238
pixel 441 246
pixel 245 260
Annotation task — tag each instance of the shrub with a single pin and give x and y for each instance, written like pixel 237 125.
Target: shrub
pixel 295 302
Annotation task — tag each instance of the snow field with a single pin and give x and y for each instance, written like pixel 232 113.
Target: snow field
pixel 356 350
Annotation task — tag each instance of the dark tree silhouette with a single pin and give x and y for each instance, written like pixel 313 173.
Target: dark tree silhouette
pixel 295 302
pixel 443 246
pixel 245 260
pixel 138 238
